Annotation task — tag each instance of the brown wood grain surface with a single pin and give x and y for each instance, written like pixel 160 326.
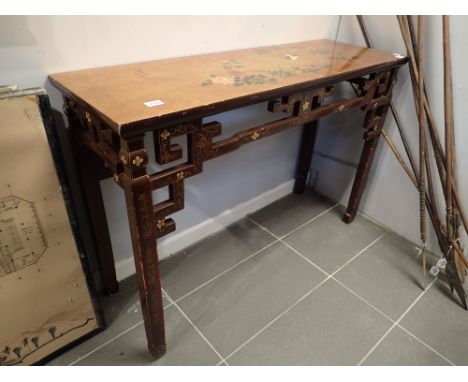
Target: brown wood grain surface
pixel 118 94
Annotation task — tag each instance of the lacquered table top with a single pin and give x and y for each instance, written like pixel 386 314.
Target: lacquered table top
pixel 154 90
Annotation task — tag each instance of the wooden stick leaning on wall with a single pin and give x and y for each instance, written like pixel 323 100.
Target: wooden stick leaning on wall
pixel 447 246
pixel 410 44
pixel 407 29
pixel 448 114
pixel 454 267
pixel 422 145
pixel 449 146
pixel 430 200
pixel 456 210
pixel 414 74
pixel 400 159
pixel 433 131
pixel 409 40
pixel 451 162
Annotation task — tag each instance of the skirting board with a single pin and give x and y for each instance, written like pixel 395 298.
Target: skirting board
pixel 180 240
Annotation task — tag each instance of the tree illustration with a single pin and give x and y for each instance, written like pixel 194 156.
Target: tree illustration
pixel 26 343
pixel 35 341
pixel 52 331
pixel 17 351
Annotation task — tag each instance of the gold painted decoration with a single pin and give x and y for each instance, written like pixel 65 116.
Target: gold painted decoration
pixel 137 161
pixel 255 136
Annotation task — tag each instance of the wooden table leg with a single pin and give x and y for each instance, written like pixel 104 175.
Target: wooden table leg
pixel 143 233
pixel 309 133
pixel 365 162
pixel 91 171
pixel 373 123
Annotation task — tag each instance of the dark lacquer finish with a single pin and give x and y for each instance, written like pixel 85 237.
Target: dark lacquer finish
pixel 106 107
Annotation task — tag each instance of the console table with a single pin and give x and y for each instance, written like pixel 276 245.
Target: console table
pixel 109 111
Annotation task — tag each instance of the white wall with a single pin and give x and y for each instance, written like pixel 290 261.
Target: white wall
pixel 32 47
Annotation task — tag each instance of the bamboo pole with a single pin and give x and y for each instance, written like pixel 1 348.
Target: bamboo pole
pixel 406 27
pixel 415 75
pixel 458 263
pixel 457 213
pixel 453 263
pixel 422 145
pixel 439 154
pixel 448 111
pixel 430 199
pixel 400 159
pixel 446 34
pixel 438 149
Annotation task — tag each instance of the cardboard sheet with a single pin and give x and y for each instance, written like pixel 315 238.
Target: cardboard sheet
pixel 44 299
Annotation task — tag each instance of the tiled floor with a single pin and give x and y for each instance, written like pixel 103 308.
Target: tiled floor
pixel 290 285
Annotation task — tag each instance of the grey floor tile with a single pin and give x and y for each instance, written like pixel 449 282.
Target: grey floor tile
pixel 400 349
pixel 439 320
pixel 329 327
pixel 284 215
pixel 199 263
pixel 166 302
pixel 238 304
pixel 388 275
pixel 329 242
pixel 185 346
pixel 121 311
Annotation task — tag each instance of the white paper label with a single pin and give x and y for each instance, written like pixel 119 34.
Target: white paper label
pixel 442 263
pixel 434 271
pixel 156 102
